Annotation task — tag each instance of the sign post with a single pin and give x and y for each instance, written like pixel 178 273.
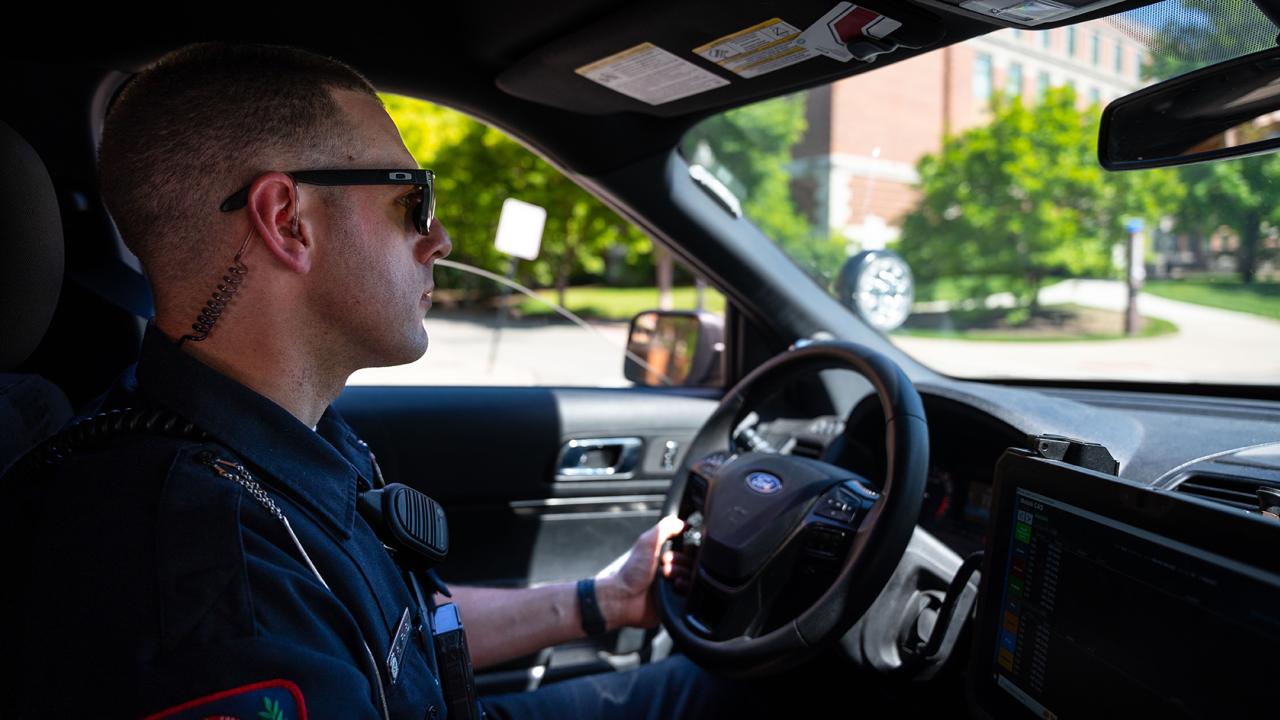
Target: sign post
pixel 520 236
pixel 1136 272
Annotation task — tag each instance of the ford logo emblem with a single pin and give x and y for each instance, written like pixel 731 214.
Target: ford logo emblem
pixel 764 483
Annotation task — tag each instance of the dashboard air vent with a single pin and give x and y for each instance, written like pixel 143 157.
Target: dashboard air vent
pixel 1237 491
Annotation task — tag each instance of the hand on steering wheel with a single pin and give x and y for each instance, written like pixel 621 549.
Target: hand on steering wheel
pixel 788 551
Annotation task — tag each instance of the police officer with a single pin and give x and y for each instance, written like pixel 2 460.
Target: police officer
pixel 206 557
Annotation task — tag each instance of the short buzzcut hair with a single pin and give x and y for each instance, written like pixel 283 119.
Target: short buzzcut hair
pixel 202 122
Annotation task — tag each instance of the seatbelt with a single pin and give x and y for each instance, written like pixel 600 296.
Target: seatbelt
pixel 118 284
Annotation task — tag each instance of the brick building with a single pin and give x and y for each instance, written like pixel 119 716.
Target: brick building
pixel 855 168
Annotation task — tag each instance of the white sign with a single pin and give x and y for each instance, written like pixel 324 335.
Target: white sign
pixel 650 74
pixel 520 229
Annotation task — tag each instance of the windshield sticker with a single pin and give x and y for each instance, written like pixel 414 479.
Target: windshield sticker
pixel 845 23
pixel 768 46
pixel 775 44
pixel 651 75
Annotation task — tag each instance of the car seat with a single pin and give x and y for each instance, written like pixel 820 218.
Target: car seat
pixel 31 269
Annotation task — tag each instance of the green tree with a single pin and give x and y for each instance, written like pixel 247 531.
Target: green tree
pixel 478 167
pixel 1009 204
pixel 1202 32
pixel 749 149
pixel 1240 194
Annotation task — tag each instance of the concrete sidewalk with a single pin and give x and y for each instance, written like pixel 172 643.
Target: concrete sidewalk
pixel 1211 345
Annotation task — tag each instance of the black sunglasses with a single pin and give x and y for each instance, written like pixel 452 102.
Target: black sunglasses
pixel 424 210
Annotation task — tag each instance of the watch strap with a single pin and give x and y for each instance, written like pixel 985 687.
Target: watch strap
pixel 593 623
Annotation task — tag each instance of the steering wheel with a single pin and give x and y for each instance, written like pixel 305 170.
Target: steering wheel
pixel 789 551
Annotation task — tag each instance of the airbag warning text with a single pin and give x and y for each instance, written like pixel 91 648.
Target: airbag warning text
pixel 651 75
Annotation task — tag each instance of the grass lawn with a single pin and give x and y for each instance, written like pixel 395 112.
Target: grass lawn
pixel 956 289
pixel 610 303
pixel 1054 323
pixel 1228 293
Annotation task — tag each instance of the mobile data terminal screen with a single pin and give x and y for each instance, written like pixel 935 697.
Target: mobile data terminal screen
pixel 1101 598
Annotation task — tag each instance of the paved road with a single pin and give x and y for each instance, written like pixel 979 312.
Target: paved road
pixel 1211 345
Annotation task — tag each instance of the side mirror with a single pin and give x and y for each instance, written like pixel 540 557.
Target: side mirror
pixel 1226 110
pixel 673 348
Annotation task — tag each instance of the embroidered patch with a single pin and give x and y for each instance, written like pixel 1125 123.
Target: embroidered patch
pixel 269 700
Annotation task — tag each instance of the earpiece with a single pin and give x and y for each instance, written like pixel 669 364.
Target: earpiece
pixel 213 309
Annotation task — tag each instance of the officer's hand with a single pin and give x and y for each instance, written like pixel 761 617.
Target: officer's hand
pixel 623 589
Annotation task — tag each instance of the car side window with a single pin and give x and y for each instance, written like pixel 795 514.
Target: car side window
pixel 559 315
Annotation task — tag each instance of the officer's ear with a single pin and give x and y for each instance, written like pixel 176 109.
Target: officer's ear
pixel 275 211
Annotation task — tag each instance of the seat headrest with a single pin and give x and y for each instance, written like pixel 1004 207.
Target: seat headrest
pixel 31 249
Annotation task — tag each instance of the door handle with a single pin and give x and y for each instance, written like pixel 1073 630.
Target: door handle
pixel 599 459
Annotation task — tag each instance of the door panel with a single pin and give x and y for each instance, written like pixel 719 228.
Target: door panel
pixel 493 457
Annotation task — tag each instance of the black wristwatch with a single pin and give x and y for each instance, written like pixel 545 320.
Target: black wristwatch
pixel 589 608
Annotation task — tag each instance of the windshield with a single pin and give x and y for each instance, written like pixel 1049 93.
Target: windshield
pixel 956 202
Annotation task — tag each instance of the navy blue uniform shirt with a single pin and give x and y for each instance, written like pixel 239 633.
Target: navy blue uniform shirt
pixel 147 583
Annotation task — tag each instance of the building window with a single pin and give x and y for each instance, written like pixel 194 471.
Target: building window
pixel 1044 39
pixel 1095 49
pixel 982 76
pixel 1017 34
pixel 1071 83
pixel 1042 82
pixel 1071 42
pixel 1095 96
pixel 1014 82
pixel 1119 58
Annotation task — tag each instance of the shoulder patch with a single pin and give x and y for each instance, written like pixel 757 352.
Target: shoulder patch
pixel 269 700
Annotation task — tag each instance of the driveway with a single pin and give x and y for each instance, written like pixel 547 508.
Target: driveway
pixel 1211 345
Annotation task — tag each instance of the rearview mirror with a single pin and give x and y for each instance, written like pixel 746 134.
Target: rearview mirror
pixel 1226 110
pixel 674 348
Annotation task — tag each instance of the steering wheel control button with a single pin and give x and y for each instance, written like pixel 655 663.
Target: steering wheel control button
pixel 764 483
pixel 838 509
pixel 709 466
pixel 826 542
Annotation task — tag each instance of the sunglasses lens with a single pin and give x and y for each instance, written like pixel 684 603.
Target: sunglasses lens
pixel 424 210
pixel 428 206
pixel 417 215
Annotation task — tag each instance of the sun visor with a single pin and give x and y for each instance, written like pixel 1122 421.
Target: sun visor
pixel 679 58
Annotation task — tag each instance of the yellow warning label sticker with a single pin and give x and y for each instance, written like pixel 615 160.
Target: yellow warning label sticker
pixel 759 49
pixel 651 75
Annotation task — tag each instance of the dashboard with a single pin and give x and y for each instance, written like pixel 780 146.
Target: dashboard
pixel 1217 448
